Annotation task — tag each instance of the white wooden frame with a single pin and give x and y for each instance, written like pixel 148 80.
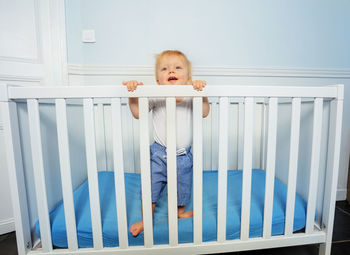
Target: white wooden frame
pixel 248 94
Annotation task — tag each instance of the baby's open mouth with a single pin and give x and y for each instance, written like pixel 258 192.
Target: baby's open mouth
pixel 172 78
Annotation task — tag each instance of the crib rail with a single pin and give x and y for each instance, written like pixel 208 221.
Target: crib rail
pixel 247 93
pixel 171 91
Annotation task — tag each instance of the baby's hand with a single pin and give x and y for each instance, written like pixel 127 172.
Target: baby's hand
pixel 131 85
pixel 198 85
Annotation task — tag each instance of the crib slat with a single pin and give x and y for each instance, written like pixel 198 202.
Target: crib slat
pixel 247 166
pixel 240 135
pixel 222 169
pixel 264 116
pixel 293 165
pixel 39 175
pixel 132 123
pixel 172 170
pixel 207 141
pixel 315 162
pixel 119 172
pixel 270 166
pixel 197 169
pixel 128 136
pixel 145 172
pixel 66 178
pixel 135 133
pixel 90 147
pixel 214 131
pixel 101 141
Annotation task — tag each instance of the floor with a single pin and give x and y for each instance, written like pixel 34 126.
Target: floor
pixel 340 245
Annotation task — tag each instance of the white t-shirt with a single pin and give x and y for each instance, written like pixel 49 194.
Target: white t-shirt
pixel 183 122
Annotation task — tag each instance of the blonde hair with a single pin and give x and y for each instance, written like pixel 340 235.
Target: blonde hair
pixel 173 53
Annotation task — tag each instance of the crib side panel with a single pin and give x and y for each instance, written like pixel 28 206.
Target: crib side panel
pixel 248 159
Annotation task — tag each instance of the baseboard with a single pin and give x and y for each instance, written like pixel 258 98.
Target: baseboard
pixel 341 194
pixel 7 226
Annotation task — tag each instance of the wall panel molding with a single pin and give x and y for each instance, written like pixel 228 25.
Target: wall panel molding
pixel 97 70
pixel 21 42
pixel 15 78
pixel 20 60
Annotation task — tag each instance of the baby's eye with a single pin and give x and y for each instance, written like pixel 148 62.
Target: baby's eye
pixel 178 67
pixel 164 69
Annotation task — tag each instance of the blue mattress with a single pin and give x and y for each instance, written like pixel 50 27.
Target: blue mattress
pixel 185 226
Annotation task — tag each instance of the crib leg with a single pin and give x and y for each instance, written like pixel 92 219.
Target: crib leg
pixel 336 113
pixel 325 248
pixel 16 176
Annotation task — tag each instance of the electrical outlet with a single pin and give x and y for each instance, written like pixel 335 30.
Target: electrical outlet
pixel 88 36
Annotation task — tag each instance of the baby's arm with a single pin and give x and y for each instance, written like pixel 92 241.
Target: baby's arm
pixel 199 85
pixel 133 101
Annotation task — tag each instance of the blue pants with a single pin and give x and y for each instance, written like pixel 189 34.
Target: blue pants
pixel 184 164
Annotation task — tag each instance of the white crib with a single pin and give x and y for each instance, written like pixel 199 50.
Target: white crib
pixel 269 96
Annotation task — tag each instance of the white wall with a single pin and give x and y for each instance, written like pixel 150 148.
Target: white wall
pixel 32 39
pixel 18 50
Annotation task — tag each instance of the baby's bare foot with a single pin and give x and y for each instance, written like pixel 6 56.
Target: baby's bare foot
pixel 184 214
pixel 136 228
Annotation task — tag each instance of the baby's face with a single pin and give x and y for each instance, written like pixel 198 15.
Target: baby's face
pixel 173 70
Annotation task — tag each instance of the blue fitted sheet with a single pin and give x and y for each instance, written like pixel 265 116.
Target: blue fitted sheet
pixel 185 226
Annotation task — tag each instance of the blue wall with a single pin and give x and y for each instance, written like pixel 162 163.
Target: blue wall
pixel 301 34
pixel 242 33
